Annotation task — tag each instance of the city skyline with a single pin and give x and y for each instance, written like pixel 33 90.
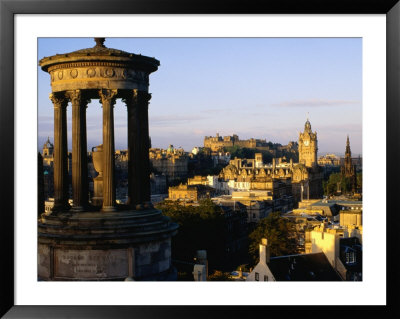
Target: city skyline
pixel 254 87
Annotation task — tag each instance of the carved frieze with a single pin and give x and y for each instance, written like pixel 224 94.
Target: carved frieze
pixel 98 77
pixel 74 73
pixel 91 72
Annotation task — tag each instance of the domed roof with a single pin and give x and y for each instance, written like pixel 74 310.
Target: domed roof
pixel 99 49
pixel 101 53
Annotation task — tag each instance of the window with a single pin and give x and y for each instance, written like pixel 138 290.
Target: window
pixel 257 277
pixel 350 257
pixel 265 278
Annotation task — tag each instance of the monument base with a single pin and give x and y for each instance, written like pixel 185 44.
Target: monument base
pixel 94 246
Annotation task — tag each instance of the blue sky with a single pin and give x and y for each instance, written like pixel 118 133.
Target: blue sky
pixel 252 87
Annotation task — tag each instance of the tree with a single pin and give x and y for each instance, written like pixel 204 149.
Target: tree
pixel 220 276
pixel 200 227
pixel 335 180
pixel 280 233
pixel 359 180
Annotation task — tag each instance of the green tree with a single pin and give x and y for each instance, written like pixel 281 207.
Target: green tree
pixel 335 180
pixel 200 227
pixel 359 180
pixel 280 233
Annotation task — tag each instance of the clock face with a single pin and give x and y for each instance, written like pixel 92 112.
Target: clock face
pixel 306 142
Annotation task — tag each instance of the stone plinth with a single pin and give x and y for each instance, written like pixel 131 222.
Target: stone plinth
pixel 103 246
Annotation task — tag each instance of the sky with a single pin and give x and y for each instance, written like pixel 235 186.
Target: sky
pixel 263 88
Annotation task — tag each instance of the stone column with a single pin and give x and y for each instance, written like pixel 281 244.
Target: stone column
pixel 80 185
pixel 138 148
pixel 60 152
pixel 107 99
pixel 143 115
pixel 134 187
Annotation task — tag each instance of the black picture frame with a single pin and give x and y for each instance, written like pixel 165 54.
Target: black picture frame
pixel 9 8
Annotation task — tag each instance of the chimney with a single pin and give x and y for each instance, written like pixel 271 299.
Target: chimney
pixel 264 251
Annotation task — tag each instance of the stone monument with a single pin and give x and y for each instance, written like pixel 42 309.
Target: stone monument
pixel 101 240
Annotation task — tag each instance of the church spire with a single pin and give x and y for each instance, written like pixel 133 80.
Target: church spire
pixel 348 150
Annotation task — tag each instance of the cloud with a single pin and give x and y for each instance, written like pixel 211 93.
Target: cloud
pixel 45 119
pixel 315 103
pixel 344 127
pixel 173 120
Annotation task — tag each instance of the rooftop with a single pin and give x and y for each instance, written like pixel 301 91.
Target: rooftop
pixel 303 267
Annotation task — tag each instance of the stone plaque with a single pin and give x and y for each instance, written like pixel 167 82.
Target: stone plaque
pixel 91 264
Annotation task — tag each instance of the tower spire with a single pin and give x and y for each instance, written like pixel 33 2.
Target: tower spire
pixel 348 151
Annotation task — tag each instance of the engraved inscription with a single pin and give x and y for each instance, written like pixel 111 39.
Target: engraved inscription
pixel 91 264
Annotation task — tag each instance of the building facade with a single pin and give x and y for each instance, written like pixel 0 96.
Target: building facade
pixel 308 146
pixel 190 193
pixel 47 153
pixel 217 143
pixel 303 180
pixel 173 163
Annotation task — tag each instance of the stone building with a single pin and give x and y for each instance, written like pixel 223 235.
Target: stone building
pixel 329 160
pixel 217 143
pixel 221 187
pixel 173 163
pixel 305 178
pixel 350 217
pixel 302 267
pixel 192 193
pixel 47 153
pixel 256 208
pixel 341 245
pixel 308 146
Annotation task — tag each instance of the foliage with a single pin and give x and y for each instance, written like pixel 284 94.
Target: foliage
pixel 359 180
pixel 280 233
pixel 220 276
pixel 200 227
pixel 240 152
pixel 331 185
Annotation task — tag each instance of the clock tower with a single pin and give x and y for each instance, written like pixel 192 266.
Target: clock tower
pixel 308 146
